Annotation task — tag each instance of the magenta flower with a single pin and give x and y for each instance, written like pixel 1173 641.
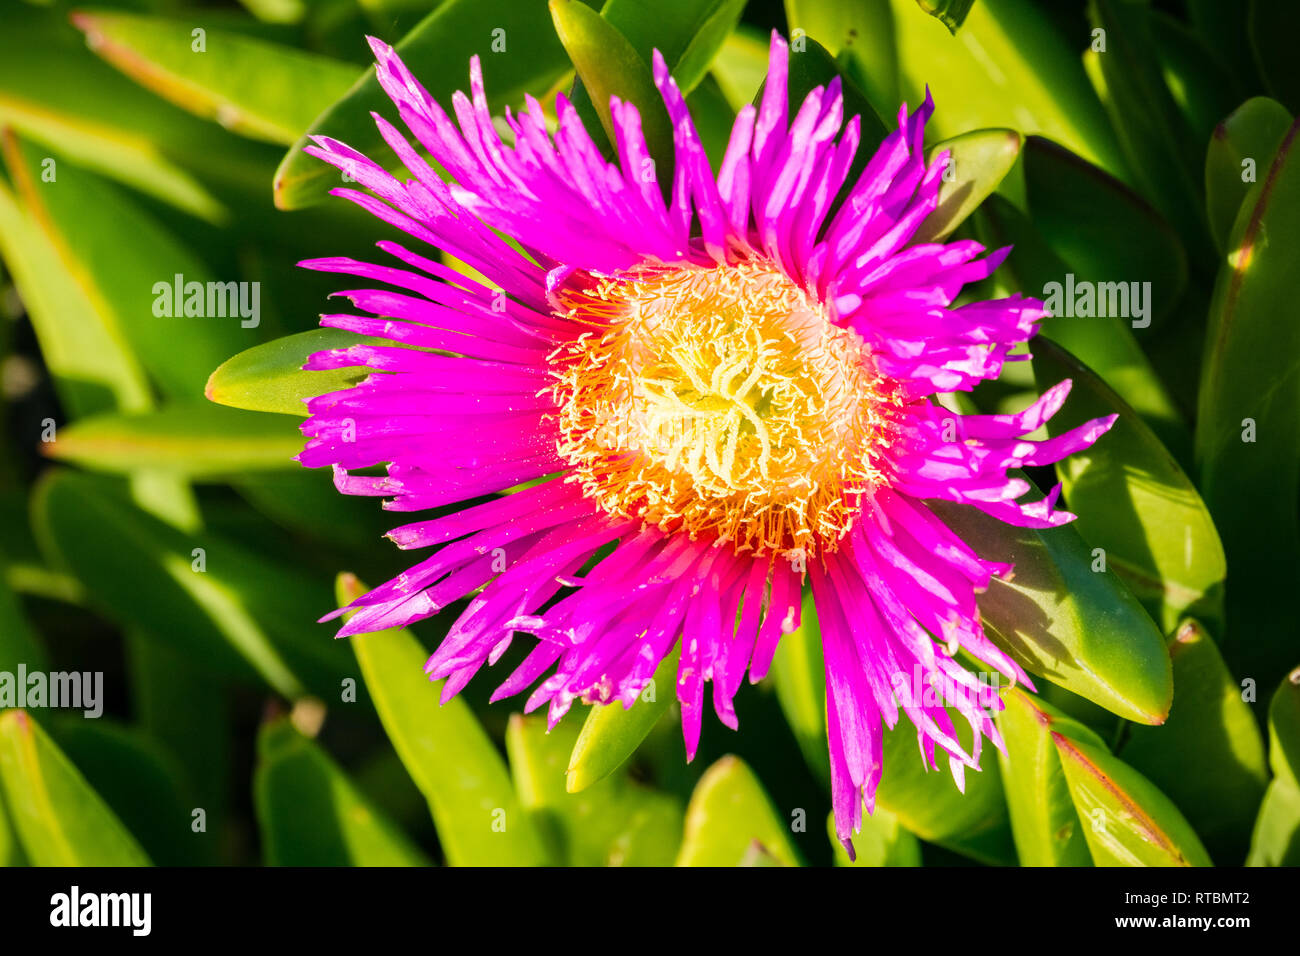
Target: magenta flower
pixel 736 388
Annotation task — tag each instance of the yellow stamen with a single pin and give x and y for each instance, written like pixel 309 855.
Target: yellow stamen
pixel 720 402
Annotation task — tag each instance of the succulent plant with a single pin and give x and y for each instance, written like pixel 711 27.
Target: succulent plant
pixel 694 182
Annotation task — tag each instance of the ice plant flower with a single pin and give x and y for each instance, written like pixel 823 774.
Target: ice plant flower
pixel 672 414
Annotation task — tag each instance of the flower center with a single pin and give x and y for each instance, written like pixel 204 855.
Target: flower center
pixel 720 402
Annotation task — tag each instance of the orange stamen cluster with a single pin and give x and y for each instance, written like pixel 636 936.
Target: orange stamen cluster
pixel 722 402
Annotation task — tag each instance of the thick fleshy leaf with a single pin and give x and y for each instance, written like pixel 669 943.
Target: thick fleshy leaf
pixel 250 86
pixel 731 821
pixel 609 65
pixel 19 643
pixel 741 65
pixel 1209 756
pixel 1134 501
pixel 688 33
pixel 1008 67
pixel 139 782
pixel 951 13
pixel 270 378
pixel 1273 28
pixel 1105 232
pixel 615 823
pixel 54 90
pixel 860 34
pixel 229 607
pixel 520 54
pixel 1240 152
pixel 311 814
pixel 1106 344
pixel 813 67
pixel 11 853
pixel 1204 90
pixel 972 821
pixel 1284 729
pixel 883 841
pixel 610 734
pixel 1159 145
pixel 92 367
pixel 713 118
pixel 480 820
pixel 1126 820
pixel 179 706
pixel 1223 28
pixel 978 161
pixel 1078 627
pixel 1276 838
pixel 60 820
pixel 131 285
pixel 1249 417
pixel 197 441
pixel 799 676
pixel 1044 823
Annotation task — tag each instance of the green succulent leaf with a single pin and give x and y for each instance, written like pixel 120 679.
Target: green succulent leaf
pixel 1159 145
pixel 311 814
pixel 60 820
pixel 1240 151
pixel 92 367
pixel 55 91
pixel 242 612
pixel 799 676
pixel 250 86
pixel 740 66
pixel 688 33
pixel 1249 417
pixel 731 821
pixel 130 285
pixel 19 643
pixel 1209 756
pixel 1104 232
pixel 270 377
pixel 1126 820
pixel 199 441
pixel 971 821
pixel 610 734
pixel 860 34
pixel 1008 67
pixel 1107 344
pixel 883 841
pixel 609 65
pixel 480 820
pixel 951 13
pixel 812 67
pixel 1058 617
pixel 1133 500
pixel 615 822
pixel 978 161
pixel 11 852
pixel 139 781
pixel 1202 87
pixel 520 54
pixel 1271 26
pixel 1044 823
pixel 1276 837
